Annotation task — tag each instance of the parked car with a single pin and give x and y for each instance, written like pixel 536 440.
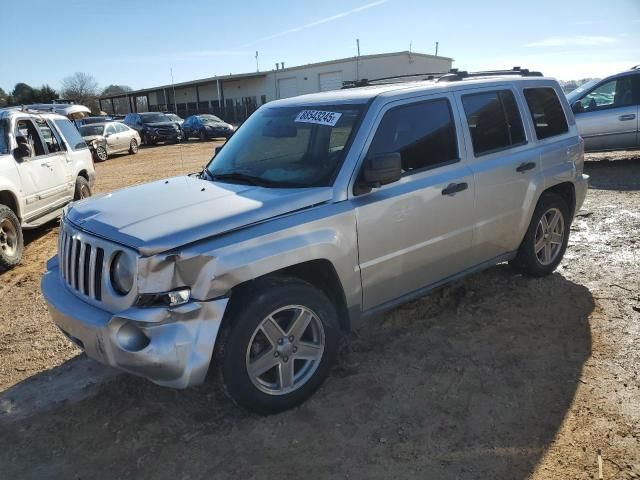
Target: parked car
pixel 321 211
pixel 154 127
pixel 205 127
pixel 175 118
pixel 44 165
pixel 105 139
pixel 607 111
pixel 89 120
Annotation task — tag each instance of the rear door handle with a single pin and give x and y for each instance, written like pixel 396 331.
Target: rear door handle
pixel 454 188
pixel 523 167
pixel 629 116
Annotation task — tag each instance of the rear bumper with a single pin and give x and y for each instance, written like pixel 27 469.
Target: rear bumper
pixel 581 185
pixel 169 346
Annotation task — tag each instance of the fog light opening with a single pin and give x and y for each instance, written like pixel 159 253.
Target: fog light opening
pixel 131 338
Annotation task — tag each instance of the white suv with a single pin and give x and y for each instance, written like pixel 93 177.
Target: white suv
pixel 44 165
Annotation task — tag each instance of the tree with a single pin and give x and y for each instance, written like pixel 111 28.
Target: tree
pixel 45 94
pixel 22 94
pixel 81 88
pixel 116 90
pixel 4 99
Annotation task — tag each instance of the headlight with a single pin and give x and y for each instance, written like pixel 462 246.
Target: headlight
pixel 122 273
pixel 171 299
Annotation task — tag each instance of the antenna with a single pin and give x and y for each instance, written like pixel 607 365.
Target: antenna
pixel 257 67
pixel 358 59
pixel 175 109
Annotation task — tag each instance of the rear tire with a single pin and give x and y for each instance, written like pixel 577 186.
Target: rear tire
pixel 11 240
pixel 83 189
pixel 133 147
pixel 545 242
pixel 286 327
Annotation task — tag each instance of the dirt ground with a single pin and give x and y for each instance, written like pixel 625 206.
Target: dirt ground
pixel 495 377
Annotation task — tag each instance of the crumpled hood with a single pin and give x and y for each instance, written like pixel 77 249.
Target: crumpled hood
pixel 90 138
pixel 158 216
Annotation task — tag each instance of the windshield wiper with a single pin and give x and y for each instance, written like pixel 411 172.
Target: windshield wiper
pixel 244 178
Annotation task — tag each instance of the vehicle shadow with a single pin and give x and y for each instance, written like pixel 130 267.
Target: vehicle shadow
pixel 471 382
pixel 623 174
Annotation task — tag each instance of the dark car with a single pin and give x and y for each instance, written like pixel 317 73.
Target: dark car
pixel 205 127
pixel 154 127
pixel 174 118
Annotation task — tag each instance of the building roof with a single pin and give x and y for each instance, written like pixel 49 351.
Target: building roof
pixel 240 76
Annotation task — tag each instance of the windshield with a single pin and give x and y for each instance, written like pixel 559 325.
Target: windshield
pixel 578 92
pixel 4 137
pixel 210 119
pixel 155 118
pixel 289 146
pixel 90 130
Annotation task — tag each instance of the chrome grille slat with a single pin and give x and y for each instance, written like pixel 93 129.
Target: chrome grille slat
pixel 72 263
pixel 91 273
pixel 80 279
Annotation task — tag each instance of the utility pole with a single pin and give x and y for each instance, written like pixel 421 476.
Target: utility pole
pixel 358 59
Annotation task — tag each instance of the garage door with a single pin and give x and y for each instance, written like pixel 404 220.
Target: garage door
pixel 288 87
pixel 330 81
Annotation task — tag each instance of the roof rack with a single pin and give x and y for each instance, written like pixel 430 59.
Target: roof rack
pixel 452 75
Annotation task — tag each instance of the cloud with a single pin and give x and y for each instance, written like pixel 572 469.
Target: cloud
pixel 322 21
pixel 575 41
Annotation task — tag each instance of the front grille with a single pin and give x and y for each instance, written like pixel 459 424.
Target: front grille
pixel 81 264
pixel 167 132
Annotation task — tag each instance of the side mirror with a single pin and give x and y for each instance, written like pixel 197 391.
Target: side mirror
pixel 577 107
pixel 218 148
pixel 21 152
pixel 381 170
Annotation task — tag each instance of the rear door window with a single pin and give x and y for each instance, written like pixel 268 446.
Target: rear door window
pixel 494 121
pixel 423 134
pixel 546 112
pixel 26 132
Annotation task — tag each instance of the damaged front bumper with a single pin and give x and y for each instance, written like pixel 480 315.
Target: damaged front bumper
pixel 171 347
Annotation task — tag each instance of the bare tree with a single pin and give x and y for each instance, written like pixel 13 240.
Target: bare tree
pixel 81 88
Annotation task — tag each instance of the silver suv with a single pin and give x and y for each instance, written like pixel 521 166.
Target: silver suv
pixel 321 211
pixel 607 111
pixel 44 164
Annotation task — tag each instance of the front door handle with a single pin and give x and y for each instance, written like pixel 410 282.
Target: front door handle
pixel 629 116
pixel 523 167
pixel 454 188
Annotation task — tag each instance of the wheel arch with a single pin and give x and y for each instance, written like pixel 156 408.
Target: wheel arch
pixel 319 273
pixel 567 191
pixel 84 174
pixel 8 198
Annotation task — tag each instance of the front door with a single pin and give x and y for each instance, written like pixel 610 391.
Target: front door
pixel 417 231
pixel 607 116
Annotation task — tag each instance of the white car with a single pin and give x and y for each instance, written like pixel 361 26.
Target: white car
pixel 105 139
pixel 44 165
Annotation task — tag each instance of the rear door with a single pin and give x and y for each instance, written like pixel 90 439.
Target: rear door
pixel 502 165
pixel 418 231
pixel 607 115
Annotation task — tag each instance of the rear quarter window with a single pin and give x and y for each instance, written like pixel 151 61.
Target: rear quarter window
pixel 71 134
pixel 546 111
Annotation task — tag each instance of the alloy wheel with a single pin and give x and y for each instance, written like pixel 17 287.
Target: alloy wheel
pixel 8 237
pixel 549 236
pixel 285 350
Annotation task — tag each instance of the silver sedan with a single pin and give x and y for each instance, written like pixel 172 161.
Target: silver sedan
pixel 105 139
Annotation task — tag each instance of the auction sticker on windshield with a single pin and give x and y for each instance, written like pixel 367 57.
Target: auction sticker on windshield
pixel 319 117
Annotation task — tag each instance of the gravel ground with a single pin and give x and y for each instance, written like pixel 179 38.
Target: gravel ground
pixel 496 376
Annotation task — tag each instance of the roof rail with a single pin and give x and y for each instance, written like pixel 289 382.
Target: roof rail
pixel 452 75
pixel 383 80
pixel 455 74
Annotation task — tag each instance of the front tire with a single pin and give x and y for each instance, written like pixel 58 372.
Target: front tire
pixel 203 136
pixel 101 153
pixel 83 189
pixel 545 242
pixel 281 341
pixel 11 241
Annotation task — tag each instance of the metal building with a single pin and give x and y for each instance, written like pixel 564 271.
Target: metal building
pixel 235 97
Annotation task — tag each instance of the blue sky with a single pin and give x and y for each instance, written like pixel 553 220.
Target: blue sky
pixel 136 42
